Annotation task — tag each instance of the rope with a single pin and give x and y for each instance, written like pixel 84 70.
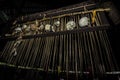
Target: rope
pixel 93 17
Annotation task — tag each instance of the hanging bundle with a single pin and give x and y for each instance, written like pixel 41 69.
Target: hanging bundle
pixel 16 45
pixel 93 16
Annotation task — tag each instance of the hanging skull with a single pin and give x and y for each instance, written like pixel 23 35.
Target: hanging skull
pixel 57 23
pixel 18 29
pixel 41 27
pixel 24 26
pixel 47 27
pixel 53 28
pixel 70 25
pixel 84 21
pixel 27 31
pixel 28 28
pixel 33 27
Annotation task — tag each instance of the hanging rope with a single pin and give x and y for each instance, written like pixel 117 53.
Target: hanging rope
pixel 93 17
pixel 16 44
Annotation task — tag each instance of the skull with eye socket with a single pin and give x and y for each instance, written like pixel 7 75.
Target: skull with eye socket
pixel 32 27
pixel 70 25
pixel 26 29
pixel 57 23
pixel 49 28
pixel 17 31
pixel 24 26
pixel 84 21
pixel 41 26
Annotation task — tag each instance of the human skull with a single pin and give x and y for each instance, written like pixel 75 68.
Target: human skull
pixel 47 27
pixel 70 25
pixel 57 23
pixel 84 21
